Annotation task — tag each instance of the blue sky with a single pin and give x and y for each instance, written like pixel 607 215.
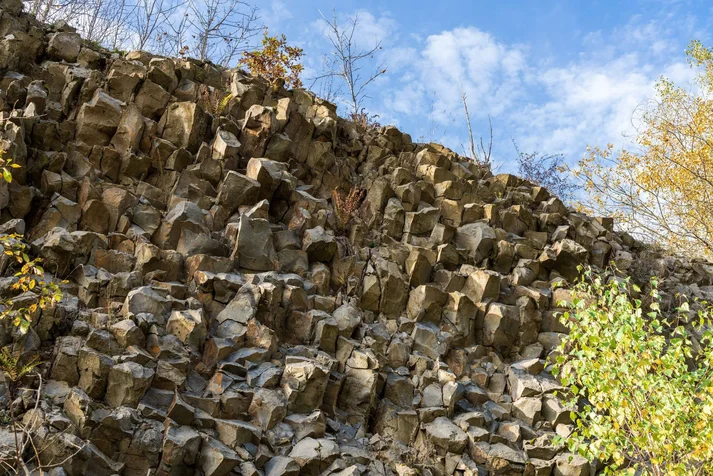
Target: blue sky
pixel 555 76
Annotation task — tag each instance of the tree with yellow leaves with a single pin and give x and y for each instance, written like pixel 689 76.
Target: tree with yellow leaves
pixel 276 61
pixel 663 192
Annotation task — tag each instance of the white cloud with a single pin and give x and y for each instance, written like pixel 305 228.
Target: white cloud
pixel 369 30
pixel 589 103
pixel 489 72
pixel 274 13
pixel 400 58
pixel 544 104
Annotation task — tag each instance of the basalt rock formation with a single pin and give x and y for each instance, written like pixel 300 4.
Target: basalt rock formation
pixel 217 319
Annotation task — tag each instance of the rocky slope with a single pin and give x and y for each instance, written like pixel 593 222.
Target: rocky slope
pixel 217 320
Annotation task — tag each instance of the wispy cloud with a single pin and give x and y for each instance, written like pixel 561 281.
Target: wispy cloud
pixel 490 72
pixel 544 104
pixel 274 13
pixel 370 28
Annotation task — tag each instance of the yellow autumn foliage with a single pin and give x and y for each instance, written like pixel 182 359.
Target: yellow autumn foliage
pixel 663 191
pixel 29 277
pixel 275 61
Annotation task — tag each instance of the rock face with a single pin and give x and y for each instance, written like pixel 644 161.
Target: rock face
pixel 216 322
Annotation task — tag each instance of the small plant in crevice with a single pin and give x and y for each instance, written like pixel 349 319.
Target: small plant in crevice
pixel 30 279
pixel 30 276
pixel 6 167
pixel 224 103
pixel 214 100
pixel 348 278
pixel 14 369
pixel 365 121
pixel 346 206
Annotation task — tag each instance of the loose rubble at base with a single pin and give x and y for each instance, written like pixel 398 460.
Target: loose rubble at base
pixel 215 323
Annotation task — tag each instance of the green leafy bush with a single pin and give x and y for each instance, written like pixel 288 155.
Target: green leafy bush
pixel 30 278
pixel 640 380
pixel 30 274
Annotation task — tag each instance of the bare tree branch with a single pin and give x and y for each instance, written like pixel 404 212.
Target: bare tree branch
pixel 174 38
pixel 216 30
pixel 473 152
pixel 482 157
pixel 149 15
pixel 546 170
pixel 348 60
pixel 486 153
pixel 223 28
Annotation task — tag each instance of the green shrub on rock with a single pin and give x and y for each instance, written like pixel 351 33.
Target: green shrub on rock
pixel 639 379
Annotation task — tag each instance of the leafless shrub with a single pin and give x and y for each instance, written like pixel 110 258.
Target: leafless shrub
pixel 346 206
pixel 16 370
pixel 148 16
pixel 546 170
pixel 211 30
pixel 365 121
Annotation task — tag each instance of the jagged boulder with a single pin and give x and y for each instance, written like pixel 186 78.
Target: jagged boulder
pixel 184 125
pixel 65 46
pixel 98 119
pixel 254 248
pixel 127 383
pixel 314 455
